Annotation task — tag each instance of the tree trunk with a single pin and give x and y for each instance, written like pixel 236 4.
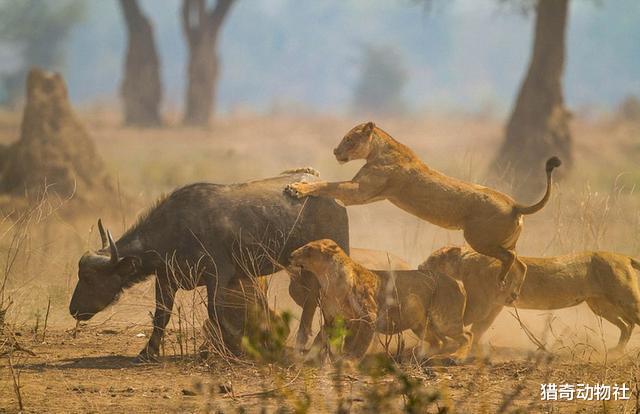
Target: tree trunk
pixel 201 28
pixel 202 74
pixel 539 125
pixel 141 89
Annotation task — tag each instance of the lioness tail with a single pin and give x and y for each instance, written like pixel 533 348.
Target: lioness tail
pixel 552 163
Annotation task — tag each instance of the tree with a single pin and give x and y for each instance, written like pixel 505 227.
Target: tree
pixel 539 123
pixel 202 28
pixel 141 89
pixel 38 31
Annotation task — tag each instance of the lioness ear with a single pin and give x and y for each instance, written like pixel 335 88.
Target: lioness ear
pixel 329 248
pixel 128 266
pixel 454 250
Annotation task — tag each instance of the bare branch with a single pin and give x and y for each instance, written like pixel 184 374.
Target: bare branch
pixel 219 13
pixel 131 11
pixel 192 10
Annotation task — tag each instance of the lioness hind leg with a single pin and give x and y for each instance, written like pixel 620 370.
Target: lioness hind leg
pixel 464 340
pixel 518 273
pixel 610 312
pixel 509 261
pixel 453 327
pixel 427 333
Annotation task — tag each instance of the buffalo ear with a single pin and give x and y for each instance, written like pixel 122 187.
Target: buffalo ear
pixel 128 266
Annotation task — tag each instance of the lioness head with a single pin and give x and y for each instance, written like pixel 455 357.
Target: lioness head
pixel 356 144
pixel 323 259
pixel 445 260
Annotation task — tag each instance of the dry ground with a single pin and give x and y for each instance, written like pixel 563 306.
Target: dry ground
pixel 595 207
pixel 94 373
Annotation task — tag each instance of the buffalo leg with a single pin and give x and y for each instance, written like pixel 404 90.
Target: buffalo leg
pixel 165 296
pixel 220 329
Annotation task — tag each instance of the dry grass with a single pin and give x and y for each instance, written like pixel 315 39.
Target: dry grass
pixel 596 207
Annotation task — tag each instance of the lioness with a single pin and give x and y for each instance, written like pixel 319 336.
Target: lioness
pixel 606 281
pixel 388 302
pixel 491 221
pixel 371 259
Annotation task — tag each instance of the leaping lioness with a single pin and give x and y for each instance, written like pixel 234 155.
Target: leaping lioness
pixel 491 221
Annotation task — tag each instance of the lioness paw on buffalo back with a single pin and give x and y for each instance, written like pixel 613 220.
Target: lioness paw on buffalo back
pixel 298 190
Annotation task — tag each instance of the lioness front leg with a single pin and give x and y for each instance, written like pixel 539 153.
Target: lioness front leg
pixel 508 260
pixel 304 290
pixel 480 327
pixel 519 272
pixel 359 337
pixel 348 192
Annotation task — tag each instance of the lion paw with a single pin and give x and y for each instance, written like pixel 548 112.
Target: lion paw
pixel 296 190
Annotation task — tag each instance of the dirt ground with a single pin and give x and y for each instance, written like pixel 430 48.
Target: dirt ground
pixel 595 207
pixel 95 372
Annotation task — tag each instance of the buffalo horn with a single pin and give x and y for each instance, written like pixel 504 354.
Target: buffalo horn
pixel 103 235
pixel 114 250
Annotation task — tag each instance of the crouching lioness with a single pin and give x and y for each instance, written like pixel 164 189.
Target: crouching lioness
pixel 606 281
pixel 490 220
pixel 387 302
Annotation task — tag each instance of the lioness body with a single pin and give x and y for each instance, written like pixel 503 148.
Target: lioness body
pixel 608 282
pixel 491 221
pixel 387 302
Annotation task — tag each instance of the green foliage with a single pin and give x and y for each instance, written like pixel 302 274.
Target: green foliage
pixel 38 31
pixel 267 342
pixel 336 334
pixel 383 76
pixel 416 397
pixel 302 403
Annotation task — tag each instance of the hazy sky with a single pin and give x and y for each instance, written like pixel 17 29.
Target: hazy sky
pixel 461 55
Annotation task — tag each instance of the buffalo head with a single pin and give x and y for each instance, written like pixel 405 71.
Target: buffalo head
pixel 102 275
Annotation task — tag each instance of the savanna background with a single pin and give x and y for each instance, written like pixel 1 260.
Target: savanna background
pixel 226 91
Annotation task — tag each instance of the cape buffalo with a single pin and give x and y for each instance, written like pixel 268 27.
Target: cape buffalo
pixel 206 235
